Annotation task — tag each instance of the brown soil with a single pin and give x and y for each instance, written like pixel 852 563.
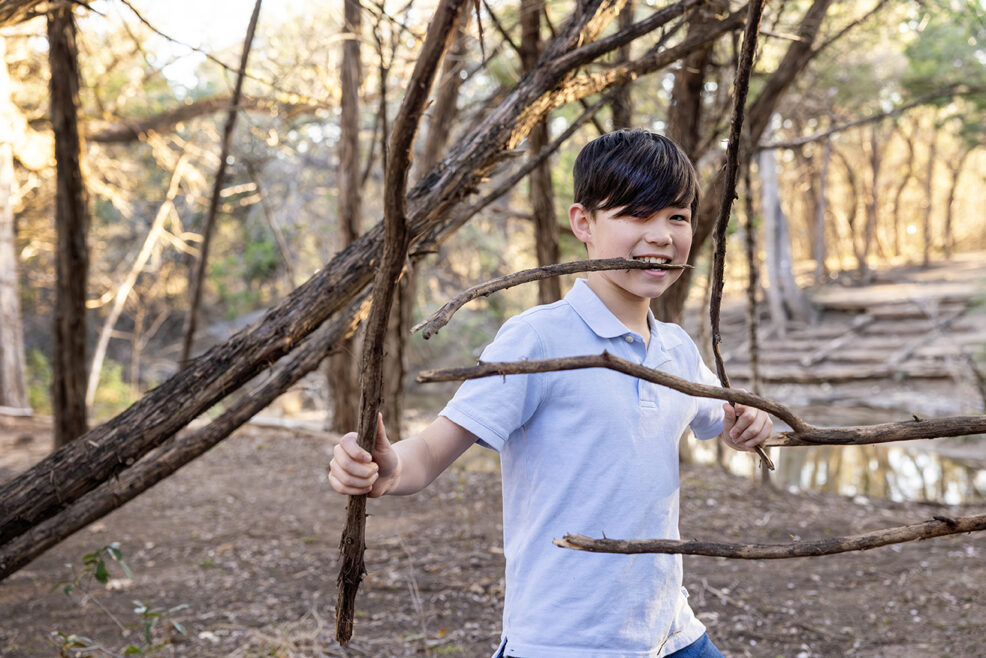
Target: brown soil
pixel 247 536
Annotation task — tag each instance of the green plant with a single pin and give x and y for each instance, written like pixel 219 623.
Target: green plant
pixel 96 568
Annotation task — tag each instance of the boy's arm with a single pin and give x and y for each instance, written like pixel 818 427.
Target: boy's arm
pixel 403 468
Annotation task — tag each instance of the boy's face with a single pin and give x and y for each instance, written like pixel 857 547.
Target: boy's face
pixel 665 236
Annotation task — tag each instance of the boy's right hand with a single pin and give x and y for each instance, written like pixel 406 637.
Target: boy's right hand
pixel 352 471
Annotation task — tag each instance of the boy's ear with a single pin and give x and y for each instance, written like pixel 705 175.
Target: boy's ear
pixel 581 222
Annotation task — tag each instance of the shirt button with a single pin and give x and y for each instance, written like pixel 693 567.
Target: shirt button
pixel 629 339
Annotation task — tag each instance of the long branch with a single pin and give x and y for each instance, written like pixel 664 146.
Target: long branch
pixel 607 360
pixel 742 86
pixel 397 238
pixel 945 92
pixel 430 326
pixel 936 527
pixel 802 434
pixel 181 449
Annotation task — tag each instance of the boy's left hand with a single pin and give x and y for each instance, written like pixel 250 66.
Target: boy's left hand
pixel 744 428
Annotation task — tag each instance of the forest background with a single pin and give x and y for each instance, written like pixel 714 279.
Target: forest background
pixel 864 151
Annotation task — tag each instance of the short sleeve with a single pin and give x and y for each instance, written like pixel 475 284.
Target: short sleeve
pixel 492 408
pixel 707 423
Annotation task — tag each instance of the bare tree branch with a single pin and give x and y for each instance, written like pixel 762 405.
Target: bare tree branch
pixel 945 92
pixel 936 527
pixel 131 130
pixel 210 218
pixel 397 237
pixel 802 434
pixel 742 85
pixel 430 326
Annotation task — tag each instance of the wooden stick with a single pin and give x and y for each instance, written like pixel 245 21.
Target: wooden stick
pixel 754 12
pixel 936 527
pixel 397 239
pixel 803 434
pixel 441 317
pixel 607 360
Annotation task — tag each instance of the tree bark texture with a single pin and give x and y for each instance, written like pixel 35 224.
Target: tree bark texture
pixel 72 227
pixel 397 239
pixel 69 473
pixel 936 527
pixel 167 458
pixel 342 367
pixel 541 192
pixel 13 380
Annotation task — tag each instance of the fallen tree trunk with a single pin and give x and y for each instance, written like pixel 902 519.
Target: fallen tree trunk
pixel 106 451
pixel 180 450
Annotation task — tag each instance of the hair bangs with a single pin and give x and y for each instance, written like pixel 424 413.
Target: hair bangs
pixel 636 170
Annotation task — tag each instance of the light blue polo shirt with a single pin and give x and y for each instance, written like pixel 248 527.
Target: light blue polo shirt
pixel 593 452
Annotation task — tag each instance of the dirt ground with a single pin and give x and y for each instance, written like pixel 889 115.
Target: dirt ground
pixel 244 541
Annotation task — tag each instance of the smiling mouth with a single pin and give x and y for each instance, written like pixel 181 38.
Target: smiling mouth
pixel 653 259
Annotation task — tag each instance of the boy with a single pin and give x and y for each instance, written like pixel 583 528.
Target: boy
pixel 586 451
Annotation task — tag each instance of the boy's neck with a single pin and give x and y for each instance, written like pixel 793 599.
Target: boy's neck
pixel 629 309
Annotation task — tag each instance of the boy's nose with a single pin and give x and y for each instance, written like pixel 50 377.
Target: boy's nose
pixel 658 235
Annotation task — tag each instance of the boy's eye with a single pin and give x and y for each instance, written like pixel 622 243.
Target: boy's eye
pixel 681 218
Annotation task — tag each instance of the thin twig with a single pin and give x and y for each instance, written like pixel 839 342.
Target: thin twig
pixel 742 85
pixel 430 326
pixel 210 217
pixel 936 527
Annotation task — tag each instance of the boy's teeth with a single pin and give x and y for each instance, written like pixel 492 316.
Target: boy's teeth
pixel 659 261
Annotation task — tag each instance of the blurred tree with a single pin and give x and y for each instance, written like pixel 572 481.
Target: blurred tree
pixel 72 222
pixel 343 364
pixel 541 192
pixel 13 379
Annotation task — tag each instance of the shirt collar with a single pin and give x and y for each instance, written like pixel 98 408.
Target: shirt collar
pixel 604 324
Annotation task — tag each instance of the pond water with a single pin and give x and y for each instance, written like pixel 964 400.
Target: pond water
pixel 898 471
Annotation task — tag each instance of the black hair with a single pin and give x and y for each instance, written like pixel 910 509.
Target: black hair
pixel 637 170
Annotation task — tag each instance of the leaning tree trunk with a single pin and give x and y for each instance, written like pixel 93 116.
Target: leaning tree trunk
pixel 541 193
pixel 342 367
pixel 72 227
